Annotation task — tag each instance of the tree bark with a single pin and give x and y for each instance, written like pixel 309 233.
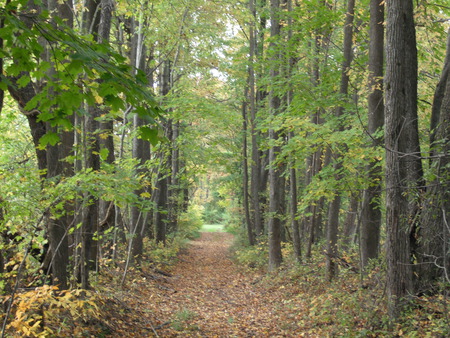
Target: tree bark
pixel 107 212
pixel 175 196
pixel 90 219
pixel 335 205
pixel 435 220
pixel 140 147
pixel 351 219
pixel 255 182
pixel 161 184
pixel 371 211
pixel 57 168
pixel 402 150
pixel 276 192
pixel 245 200
pixel 296 240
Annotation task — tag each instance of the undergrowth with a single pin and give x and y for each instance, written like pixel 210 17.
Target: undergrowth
pixel 353 305
pixel 106 310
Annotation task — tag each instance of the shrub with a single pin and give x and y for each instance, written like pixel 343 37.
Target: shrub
pixel 190 223
pixel 46 311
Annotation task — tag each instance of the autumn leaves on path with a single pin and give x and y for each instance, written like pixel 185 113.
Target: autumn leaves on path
pixel 209 296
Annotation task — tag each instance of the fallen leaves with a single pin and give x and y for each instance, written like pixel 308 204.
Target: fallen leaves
pixel 207 295
pixel 226 299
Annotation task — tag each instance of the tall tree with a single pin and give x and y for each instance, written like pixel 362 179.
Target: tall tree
pixel 403 166
pixel 140 147
pixel 321 156
pixel 290 62
pixel 433 253
pixel 371 211
pixel 245 200
pixel 57 168
pixel 335 205
pixel 255 183
pixel 162 177
pixel 107 212
pixel 276 191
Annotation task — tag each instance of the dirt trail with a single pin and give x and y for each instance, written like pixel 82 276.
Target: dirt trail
pixel 209 296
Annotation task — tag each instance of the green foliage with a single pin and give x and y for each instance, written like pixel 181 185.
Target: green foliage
pixel 163 255
pixel 182 319
pixel 213 211
pixel 190 223
pixel 254 257
pixel 83 71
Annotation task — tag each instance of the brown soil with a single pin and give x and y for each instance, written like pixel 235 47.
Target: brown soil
pixel 210 296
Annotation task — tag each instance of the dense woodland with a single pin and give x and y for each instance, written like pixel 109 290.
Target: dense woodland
pixel 315 130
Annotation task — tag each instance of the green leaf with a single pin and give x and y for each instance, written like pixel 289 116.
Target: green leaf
pixel 104 154
pixel 149 134
pixel 49 138
pixel 23 80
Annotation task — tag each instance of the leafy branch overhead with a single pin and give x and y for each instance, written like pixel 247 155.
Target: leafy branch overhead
pixel 84 72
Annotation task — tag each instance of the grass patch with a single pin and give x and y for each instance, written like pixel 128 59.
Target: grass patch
pixel 212 228
pixel 183 319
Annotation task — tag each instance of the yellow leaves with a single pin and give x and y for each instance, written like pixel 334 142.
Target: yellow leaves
pixel 145 194
pixel 103 136
pixel 98 98
pixel 48 302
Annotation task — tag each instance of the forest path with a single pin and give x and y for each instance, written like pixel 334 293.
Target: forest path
pixel 210 296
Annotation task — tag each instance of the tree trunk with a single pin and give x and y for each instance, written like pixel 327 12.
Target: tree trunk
pixel 57 168
pixel 161 184
pixel 140 148
pixel 91 210
pixel 255 182
pixel 107 212
pixel 137 221
pixel 313 224
pixel 335 205
pixel 293 212
pixel 174 202
pixel 435 220
pixel 245 200
pixel 350 224
pixel 90 222
pixel 275 191
pixel 371 211
pixel 402 149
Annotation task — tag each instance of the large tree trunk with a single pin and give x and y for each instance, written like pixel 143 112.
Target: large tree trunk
pixel 371 211
pixel 403 166
pixel 57 168
pixel 433 250
pixel 23 95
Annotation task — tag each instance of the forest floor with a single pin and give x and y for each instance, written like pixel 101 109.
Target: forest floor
pixel 207 295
